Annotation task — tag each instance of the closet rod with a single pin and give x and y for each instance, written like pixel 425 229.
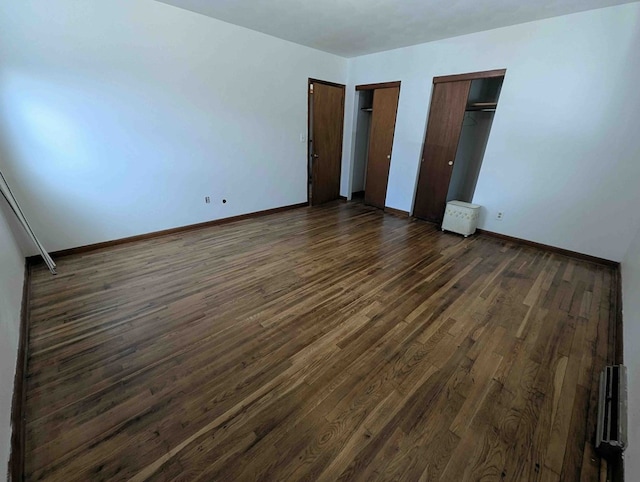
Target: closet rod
pixel 483 106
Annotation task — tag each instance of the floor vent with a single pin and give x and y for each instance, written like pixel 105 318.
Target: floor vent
pixel 611 437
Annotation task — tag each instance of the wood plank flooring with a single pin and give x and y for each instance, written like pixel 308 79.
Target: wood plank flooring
pixel 330 343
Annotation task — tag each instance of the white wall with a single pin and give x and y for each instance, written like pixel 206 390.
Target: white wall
pixel 11 284
pixel 118 117
pixel 562 159
pixel 631 328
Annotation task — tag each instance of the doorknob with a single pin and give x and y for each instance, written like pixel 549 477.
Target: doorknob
pixel 315 156
pixel 389 156
pixel 451 163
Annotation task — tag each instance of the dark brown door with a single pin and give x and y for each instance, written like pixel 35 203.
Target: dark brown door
pixel 327 112
pixel 448 105
pixel 383 123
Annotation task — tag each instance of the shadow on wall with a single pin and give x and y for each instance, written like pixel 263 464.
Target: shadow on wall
pixel 46 155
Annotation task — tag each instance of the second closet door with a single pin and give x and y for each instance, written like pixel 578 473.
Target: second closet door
pixel 383 123
pixel 448 104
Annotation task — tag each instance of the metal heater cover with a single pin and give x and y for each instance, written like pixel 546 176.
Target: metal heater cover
pixel 611 435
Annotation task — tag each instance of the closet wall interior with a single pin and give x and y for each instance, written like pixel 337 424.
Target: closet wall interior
pixel 363 131
pixel 476 126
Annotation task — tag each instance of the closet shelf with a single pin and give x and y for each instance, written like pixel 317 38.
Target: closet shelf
pixel 485 106
pixel 367 109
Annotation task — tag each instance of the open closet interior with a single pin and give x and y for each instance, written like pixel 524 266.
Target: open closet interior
pixel 363 131
pixel 377 106
pixel 460 118
pixel 476 126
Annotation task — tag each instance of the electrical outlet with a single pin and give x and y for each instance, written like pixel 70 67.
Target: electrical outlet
pixel 499 216
pixel 207 199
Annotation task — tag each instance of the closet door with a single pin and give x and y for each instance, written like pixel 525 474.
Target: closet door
pixel 327 110
pixel 383 123
pixel 448 105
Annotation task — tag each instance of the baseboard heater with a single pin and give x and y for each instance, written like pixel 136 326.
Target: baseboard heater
pixel 611 436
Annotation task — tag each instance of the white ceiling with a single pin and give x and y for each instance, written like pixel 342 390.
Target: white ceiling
pixel 355 27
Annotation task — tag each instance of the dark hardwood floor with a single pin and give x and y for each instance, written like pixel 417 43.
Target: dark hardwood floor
pixel 330 343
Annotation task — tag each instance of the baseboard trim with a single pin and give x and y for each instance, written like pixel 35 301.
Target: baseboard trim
pixel 553 249
pixel 181 229
pixel 18 404
pixel 396 212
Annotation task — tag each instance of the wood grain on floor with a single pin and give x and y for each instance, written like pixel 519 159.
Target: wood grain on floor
pixel 330 343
